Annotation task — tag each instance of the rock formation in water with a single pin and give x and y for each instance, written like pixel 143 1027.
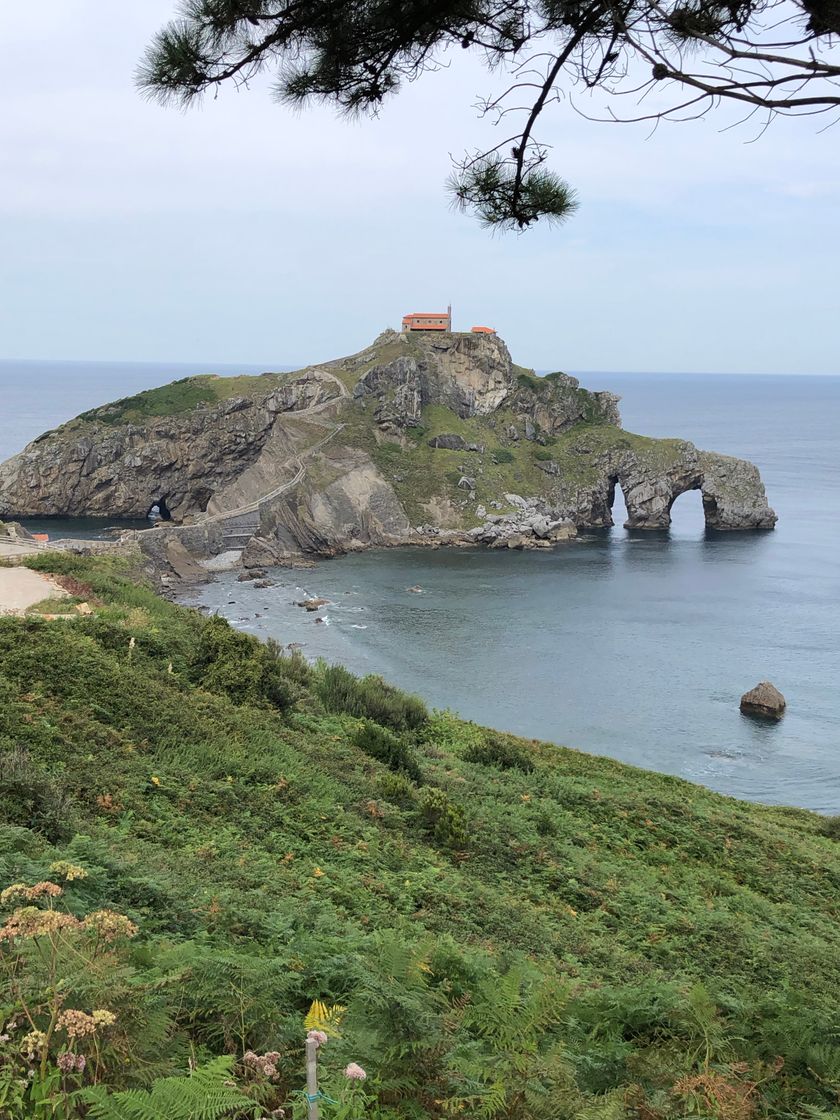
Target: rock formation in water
pixel 419 439
pixel 764 700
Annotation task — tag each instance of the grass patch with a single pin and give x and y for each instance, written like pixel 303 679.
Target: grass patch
pixel 55 604
pixel 168 400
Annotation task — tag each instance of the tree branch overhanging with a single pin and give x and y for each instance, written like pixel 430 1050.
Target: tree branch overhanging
pixel 776 56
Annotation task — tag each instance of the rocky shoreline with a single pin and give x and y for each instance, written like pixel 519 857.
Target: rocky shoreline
pixel 416 440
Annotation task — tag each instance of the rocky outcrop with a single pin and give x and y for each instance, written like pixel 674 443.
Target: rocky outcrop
pixel 733 494
pixel 354 509
pixel 764 700
pixel 653 474
pixel 96 467
pixel 418 439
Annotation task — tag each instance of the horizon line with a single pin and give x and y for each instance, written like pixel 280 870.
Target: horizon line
pixel 288 367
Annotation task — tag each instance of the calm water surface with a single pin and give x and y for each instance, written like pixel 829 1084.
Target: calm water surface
pixel 628 644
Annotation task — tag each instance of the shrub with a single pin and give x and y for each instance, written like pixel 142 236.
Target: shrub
pixel 237 665
pixel 500 455
pixel 543 455
pixel 369 698
pixel 385 746
pixel 445 819
pixel 395 787
pixel 30 797
pixel 498 751
pixel 830 827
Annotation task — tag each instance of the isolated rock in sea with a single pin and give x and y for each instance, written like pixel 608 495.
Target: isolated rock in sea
pixel 371 451
pixel 764 700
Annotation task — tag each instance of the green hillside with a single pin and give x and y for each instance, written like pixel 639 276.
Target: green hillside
pixel 516 930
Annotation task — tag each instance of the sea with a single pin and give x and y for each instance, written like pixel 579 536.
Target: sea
pixel 636 645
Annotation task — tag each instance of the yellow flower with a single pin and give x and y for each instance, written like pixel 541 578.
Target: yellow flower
pixel 68 871
pixel 155 780
pixel 317 872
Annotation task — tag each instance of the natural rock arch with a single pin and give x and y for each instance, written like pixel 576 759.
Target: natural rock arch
pixel 162 508
pixel 731 489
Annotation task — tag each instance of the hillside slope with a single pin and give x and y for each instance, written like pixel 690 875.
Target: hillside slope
pixel 417 439
pixel 517 930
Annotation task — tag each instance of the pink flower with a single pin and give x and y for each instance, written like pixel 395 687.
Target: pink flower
pixel 66 1062
pixel 355 1072
pixel 318 1037
pixel 81 1062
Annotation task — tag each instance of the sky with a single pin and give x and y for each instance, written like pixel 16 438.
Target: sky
pixel 239 232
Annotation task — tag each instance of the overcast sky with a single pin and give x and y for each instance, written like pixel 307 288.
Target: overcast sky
pixel 237 232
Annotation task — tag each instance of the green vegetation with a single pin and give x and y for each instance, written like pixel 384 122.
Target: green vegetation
pixel 517 931
pixel 180 396
pixel 502 455
pixel 168 400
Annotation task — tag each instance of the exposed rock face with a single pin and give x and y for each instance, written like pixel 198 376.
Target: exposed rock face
pixel 356 510
pixel 764 700
pixel 411 441
pixel 733 494
pixel 94 467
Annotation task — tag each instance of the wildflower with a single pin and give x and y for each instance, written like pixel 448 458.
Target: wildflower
pixel 266 1064
pixel 317 872
pixel 68 871
pixel 81 1062
pixel 32 1043
pixel 29 921
pixel 77 1024
pixel 104 1018
pixel 13 893
pixel 155 780
pixel 44 889
pixel 318 1037
pixel 66 1062
pixel 110 925
pixel 21 890
pixel 355 1072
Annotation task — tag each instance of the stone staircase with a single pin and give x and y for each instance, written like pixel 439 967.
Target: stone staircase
pixel 238 529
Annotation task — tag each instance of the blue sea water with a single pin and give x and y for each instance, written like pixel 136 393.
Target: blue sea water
pixel 634 645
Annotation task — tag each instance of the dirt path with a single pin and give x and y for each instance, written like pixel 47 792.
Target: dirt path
pixel 20 589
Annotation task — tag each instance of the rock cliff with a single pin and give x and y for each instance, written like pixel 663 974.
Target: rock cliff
pixel 417 439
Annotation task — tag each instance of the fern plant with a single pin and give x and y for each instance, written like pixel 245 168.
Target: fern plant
pixel 320 1017
pixel 207 1094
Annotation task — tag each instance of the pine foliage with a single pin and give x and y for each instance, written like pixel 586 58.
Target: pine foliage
pixel 694 55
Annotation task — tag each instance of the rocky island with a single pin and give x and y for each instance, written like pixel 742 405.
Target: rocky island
pixel 418 439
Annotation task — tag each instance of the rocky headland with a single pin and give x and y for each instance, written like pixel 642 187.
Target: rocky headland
pixel 419 439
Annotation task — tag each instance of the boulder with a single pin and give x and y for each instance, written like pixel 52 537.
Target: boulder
pixel 466 483
pixel 449 442
pixel 312 605
pixel 764 700
pixel 183 563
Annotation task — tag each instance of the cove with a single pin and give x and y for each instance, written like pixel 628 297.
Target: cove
pixel 635 645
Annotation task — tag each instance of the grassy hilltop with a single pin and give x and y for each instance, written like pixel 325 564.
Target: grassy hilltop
pixel 516 930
